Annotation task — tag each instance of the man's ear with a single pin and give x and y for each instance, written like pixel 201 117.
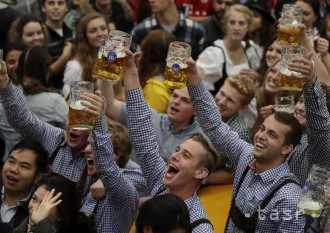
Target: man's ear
pixel 201 173
pixel 287 149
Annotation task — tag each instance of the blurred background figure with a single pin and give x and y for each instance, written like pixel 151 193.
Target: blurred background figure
pixel 152 65
pixel 32 76
pixel 91 32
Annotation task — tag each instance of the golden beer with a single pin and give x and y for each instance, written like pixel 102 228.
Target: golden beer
pixel 289 83
pixel 109 69
pixel 78 118
pixel 288 34
pixel 175 79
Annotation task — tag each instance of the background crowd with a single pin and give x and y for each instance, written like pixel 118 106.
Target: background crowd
pixel 152 148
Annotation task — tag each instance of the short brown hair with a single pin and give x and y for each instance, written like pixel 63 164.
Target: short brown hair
pixel 120 142
pixel 210 159
pixel 244 85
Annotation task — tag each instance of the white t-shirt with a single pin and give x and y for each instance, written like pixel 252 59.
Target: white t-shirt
pixel 73 72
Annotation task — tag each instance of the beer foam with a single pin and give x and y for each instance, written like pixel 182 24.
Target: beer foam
pixel 286 72
pixel 309 205
pixel 77 105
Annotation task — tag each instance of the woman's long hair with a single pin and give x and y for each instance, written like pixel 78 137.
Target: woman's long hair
pixel 154 48
pixel 33 70
pixel 82 49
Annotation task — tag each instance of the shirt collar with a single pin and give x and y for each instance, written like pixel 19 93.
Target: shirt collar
pixel 271 174
pixel 170 127
pixel 19 202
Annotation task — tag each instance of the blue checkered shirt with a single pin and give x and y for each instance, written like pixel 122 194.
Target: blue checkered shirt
pixel 116 212
pixel 29 126
pixel 144 142
pixel 255 188
pixel 186 30
pixel 314 146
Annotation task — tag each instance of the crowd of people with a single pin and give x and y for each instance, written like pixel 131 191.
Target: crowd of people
pixel 152 148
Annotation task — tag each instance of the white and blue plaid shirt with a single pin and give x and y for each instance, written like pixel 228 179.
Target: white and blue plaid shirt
pixel 314 146
pixel 116 212
pixel 143 139
pixel 50 137
pixel 255 188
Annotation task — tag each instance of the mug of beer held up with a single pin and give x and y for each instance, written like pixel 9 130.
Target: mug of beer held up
pixel 287 81
pixel 284 103
pixel 175 76
pixel 78 118
pixel 288 32
pixel 111 57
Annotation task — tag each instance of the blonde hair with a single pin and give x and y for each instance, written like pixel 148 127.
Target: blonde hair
pixel 244 85
pixel 241 9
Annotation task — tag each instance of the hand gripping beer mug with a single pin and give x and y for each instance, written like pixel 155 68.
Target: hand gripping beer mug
pixel 78 118
pixel 284 103
pixel 111 57
pixel 312 199
pixel 288 32
pixel 287 82
pixel 175 76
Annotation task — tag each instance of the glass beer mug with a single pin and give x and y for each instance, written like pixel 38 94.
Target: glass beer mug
pixel 287 82
pixel 175 76
pixel 312 200
pixel 78 118
pixel 288 32
pixel 111 57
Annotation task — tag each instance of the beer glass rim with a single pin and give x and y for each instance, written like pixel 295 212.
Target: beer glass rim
pixel 118 32
pixel 287 48
pixel 75 84
pixel 185 44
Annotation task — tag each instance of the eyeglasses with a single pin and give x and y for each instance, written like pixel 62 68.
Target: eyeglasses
pixel 228 3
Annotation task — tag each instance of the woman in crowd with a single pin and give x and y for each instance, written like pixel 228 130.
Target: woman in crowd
pixel 32 75
pixel 92 30
pixel 53 208
pixel 166 213
pixel 228 56
pixel 29 30
pixel 262 27
pixel 152 65
pixel 11 54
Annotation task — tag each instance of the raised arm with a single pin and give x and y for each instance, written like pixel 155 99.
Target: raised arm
pixel 140 128
pixel 22 119
pixel 120 192
pixel 209 117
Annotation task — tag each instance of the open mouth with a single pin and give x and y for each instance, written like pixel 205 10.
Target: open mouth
pixel 172 170
pixel 260 145
pixel 12 179
pixel 73 135
pixel 90 162
pixel 174 109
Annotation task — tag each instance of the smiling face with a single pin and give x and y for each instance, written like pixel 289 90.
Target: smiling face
pixel 229 101
pixel 183 167
pixel 273 53
pixel 19 171
pixel 96 31
pixel 180 110
pixel 33 34
pixel 272 80
pixel 55 10
pixel 269 141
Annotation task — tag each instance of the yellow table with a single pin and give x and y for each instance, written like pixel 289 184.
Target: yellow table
pixel 216 200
